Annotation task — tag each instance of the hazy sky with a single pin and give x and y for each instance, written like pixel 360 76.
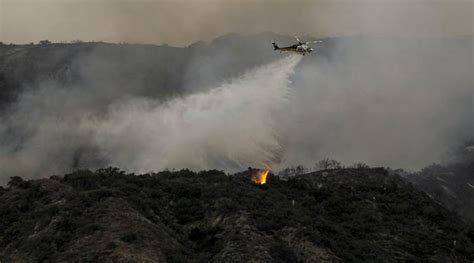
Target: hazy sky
pixel 181 22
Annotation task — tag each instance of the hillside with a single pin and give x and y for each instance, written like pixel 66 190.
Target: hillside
pixel 385 101
pixel 326 216
pixel 451 185
pixel 117 70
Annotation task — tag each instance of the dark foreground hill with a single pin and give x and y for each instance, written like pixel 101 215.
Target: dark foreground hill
pixel 327 216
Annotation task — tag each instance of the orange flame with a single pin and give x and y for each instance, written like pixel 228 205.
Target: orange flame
pixel 261 176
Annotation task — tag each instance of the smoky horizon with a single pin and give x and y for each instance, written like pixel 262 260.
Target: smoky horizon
pixel 183 22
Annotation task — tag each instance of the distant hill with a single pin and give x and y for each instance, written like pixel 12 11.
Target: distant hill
pixel 327 216
pixel 132 70
pixel 161 71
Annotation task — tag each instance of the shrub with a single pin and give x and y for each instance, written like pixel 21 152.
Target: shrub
pixel 326 164
pixel 17 181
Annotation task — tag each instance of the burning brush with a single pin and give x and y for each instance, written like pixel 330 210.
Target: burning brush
pixel 261 176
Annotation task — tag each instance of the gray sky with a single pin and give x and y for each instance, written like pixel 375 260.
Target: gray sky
pixel 181 22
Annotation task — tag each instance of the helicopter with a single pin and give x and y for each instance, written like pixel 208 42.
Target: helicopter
pixel 300 48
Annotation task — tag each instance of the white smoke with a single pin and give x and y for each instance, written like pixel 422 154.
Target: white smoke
pixel 383 101
pixel 375 100
pixel 229 127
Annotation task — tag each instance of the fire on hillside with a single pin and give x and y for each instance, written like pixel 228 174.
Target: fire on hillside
pixel 261 176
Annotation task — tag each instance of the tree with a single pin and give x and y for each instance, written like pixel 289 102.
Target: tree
pixel 360 165
pixel 17 181
pixel 327 163
pixel 293 170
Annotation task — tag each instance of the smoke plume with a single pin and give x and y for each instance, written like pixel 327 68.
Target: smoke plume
pixel 231 126
pixel 228 127
pixel 398 102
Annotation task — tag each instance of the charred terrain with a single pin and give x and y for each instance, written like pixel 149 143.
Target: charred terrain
pixel 326 216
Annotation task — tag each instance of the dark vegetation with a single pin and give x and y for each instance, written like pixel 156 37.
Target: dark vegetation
pixel 353 214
